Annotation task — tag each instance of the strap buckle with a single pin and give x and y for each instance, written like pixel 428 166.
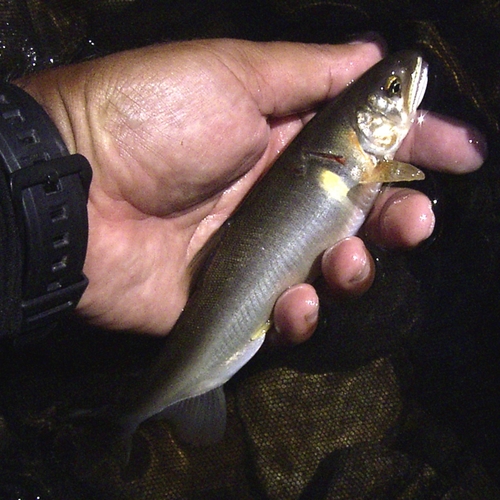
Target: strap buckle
pixel 49 195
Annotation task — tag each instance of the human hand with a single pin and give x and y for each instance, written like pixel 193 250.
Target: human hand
pixel 177 134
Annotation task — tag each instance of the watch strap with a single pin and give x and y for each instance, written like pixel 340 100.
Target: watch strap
pixel 49 190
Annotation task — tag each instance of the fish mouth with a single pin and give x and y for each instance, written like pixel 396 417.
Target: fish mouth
pixel 418 85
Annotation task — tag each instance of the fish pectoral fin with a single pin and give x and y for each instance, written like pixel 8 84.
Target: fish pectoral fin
pixel 201 420
pixel 392 171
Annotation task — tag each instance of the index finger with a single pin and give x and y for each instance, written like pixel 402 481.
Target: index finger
pixel 443 143
pixel 293 77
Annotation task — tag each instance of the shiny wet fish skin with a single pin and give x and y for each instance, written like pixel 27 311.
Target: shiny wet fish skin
pixel 318 192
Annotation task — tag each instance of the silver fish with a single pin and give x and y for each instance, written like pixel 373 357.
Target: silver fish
pixel 318 192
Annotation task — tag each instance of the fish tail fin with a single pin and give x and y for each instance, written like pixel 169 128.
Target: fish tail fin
pixel 201 420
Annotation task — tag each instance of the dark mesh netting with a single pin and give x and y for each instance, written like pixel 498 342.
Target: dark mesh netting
pixel 395 397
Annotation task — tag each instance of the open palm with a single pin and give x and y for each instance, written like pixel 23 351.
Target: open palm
pixel 176 135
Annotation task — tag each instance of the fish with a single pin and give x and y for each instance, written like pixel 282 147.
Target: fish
pixel 318 192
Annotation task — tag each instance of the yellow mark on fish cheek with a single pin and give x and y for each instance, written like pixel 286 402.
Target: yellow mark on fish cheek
pixel 333 184
pixel 260 332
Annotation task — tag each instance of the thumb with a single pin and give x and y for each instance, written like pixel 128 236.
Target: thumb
pixel 286 78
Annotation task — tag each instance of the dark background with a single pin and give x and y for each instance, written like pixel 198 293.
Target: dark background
pixel 396 396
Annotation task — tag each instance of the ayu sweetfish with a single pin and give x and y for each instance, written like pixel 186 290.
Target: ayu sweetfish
pixel 318 192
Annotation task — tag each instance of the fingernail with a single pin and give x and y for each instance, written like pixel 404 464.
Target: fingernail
pixel 430 219
pixel 478 141
pixel 386 223
pixel 364 270
pixel 311 322
pixel 368 37
pixel 389 220
pixel 365 37
pixel 312 317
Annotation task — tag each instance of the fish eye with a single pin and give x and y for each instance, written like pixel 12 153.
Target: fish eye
pixel 393 85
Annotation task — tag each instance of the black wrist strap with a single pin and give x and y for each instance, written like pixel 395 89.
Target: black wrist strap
pixel 49 190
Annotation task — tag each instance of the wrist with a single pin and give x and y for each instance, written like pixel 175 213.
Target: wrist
pixel 44 89
pixel 49 190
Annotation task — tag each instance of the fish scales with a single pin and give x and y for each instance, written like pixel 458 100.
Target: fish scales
pixel 241 305
pixel 318 192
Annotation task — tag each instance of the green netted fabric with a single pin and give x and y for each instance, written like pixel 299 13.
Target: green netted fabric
pixel 396 395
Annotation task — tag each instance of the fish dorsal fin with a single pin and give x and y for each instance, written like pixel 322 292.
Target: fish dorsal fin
pixel 392 171
pixel 201 420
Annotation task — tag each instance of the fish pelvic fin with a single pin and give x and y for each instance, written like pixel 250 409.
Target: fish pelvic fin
pixel 260 333
pixel 392 171
pixel 201 420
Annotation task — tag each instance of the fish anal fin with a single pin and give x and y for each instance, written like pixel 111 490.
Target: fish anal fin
pixel 201 420
pixel 392 171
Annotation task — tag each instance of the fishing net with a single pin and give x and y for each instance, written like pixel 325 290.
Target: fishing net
pixel 396 395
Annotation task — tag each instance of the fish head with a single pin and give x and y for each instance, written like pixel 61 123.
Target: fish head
pixel 394 89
